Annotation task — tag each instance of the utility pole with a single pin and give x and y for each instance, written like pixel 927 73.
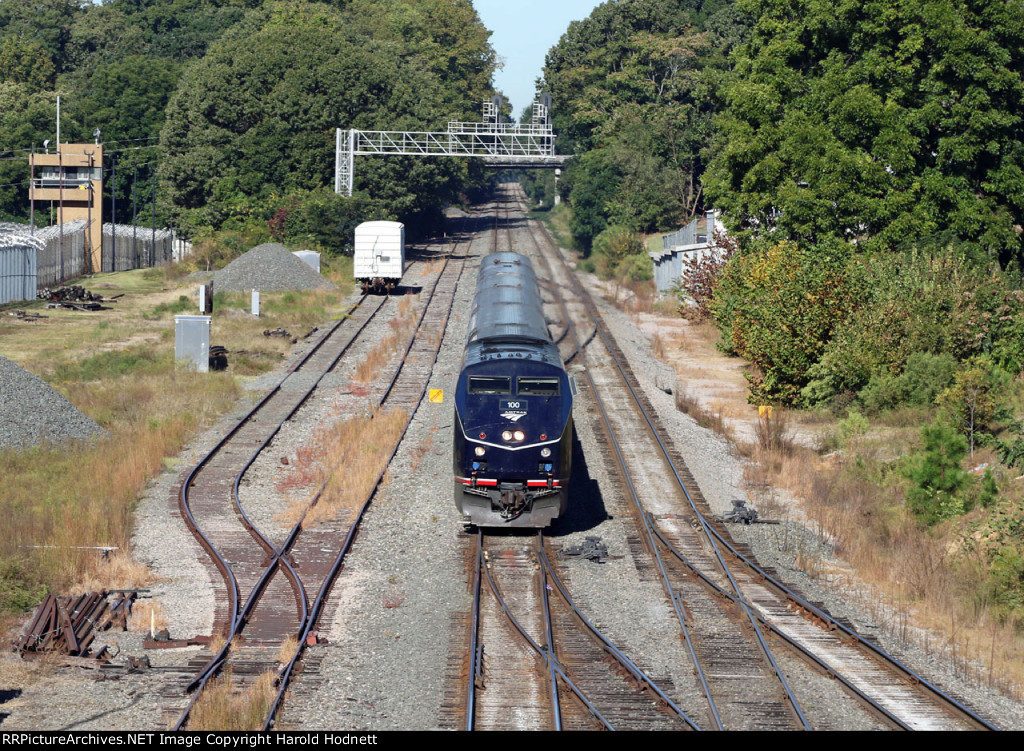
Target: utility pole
pixel 135 223
pixel 113 212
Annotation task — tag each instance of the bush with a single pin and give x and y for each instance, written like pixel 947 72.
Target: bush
pixel 778 307
pixel 923 378
pixel 701 276
pixel 938 484
pixel 619 252
pixel 914 303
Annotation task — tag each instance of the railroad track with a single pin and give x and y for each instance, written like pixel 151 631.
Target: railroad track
pixel 273 592
pixel 705 570
pixel 535 662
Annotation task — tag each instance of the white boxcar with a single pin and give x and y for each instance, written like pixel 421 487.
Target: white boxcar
pixel 379 255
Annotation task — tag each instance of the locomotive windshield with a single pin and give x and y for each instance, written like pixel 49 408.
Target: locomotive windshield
pixel 537 386
pixel 490 385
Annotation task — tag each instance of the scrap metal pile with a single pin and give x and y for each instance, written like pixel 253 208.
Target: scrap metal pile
pixel 74 297
pixel 68 625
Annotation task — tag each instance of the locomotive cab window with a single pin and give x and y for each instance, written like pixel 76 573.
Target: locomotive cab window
pixel 490 385
pixel 537 386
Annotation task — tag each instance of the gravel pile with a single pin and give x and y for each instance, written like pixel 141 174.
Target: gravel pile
pixel 270 267
pixel 32 411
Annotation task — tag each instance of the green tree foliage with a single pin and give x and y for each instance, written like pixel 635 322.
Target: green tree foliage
pixel 25 63
pixel 973 400
pixel 46 24
pixel 632 99
pixel 938 484
pixel 877 121
pixel 619 252
pixel 909 303
pixel 255 118
pixel 26 119
pixel 778 308
pixel 323 219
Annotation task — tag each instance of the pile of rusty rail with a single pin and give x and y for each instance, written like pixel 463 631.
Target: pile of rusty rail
pixel 68 625
pixel 74 297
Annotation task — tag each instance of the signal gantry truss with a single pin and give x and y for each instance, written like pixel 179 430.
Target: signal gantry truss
pixel 499 144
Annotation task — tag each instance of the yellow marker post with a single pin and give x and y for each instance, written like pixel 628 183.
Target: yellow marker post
pixel 436 397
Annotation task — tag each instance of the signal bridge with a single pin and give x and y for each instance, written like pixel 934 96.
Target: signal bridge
pixel 498 144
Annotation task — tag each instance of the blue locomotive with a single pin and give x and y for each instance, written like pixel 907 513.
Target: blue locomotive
pixel 513 405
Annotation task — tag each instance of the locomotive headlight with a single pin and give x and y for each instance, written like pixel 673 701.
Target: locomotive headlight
pixel 545 452
pixel 519 435
pixel 506 435
pixel 479 451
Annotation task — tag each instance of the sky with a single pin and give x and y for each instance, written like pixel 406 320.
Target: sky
pixel 522 33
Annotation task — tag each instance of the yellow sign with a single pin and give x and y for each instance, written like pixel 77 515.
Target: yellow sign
pixel 765 411
pixel 437 396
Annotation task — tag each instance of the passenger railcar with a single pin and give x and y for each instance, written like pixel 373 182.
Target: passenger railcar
pixel 379 258
pixel 513 405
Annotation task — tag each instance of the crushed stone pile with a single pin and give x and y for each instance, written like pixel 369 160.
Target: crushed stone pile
pixel 32 411
pixel 269 267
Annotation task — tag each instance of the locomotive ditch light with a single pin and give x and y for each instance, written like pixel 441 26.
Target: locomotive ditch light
pixel 479 451
pixel 545 452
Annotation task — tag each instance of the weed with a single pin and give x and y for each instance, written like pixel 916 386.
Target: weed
pixel 353 454
pixel 222 708
pixel 147 617
pixel 772 432
pixel 288 648
pixel 182 304
pixel 706 418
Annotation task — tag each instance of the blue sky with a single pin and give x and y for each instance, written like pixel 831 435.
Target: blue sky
pixel 522 33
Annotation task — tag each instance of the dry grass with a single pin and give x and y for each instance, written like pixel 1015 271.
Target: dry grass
pixel 223 708
pixel 355 453
pixel 288 649
pixel 117 571
pixel 772 432
pixel 904 574
pixel 658 348
pixel 117 367
pixel 706 418
pixel 402 326
pixel 147 617
pixel 432 268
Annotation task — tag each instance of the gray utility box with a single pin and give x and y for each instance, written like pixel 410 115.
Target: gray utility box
pixel 311 257
pixel 192 341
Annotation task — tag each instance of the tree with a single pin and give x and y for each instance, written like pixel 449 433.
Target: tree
pixel 256 117
pixel 778 307
pixel 46 23
pixel 632 100
pixel 25 63
pixel 938 482
pixel 972 400
pixel 875 121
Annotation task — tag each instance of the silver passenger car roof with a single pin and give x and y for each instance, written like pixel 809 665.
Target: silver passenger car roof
pixel 507 305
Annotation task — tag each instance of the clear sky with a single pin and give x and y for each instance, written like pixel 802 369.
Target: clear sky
pixel 522 33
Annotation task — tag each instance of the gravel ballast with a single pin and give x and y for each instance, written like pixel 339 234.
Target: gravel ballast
pixel 394 615
pixel 269 267
pixel 32 411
